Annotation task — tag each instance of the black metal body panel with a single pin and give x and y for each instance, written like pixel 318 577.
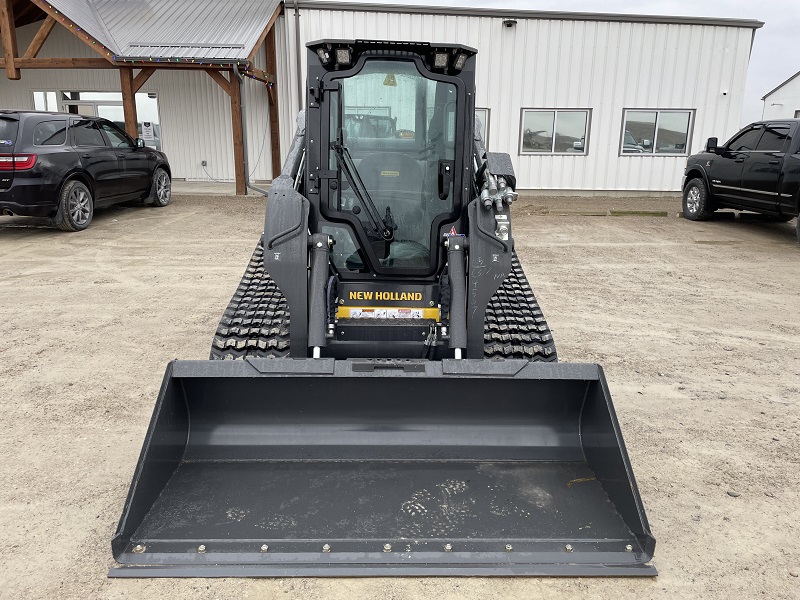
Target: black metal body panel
pixel 506 462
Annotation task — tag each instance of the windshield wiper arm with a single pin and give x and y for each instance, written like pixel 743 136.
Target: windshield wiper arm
pixel 384 228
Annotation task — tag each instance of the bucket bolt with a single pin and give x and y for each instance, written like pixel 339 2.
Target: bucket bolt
pixel 264 547
pixel 509 547
pixel 628 548
pixel 201 548
pixel 568 548
pixel 138 548
pixel 448 547
pixel 326 548
pixel 387 547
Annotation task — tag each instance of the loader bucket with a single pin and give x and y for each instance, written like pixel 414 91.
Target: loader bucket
pixel 323 467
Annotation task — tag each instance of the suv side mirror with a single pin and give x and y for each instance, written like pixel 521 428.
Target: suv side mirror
pixel 139 143
pixel 711 145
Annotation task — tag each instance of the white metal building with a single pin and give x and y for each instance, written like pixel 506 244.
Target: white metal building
pixel 784 101
pixel 588 102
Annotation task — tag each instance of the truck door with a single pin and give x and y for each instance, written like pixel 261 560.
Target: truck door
pixel 726 172
pixel 761 169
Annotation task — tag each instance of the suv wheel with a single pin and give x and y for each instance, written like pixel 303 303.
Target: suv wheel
pixel 696 203
pixel 161 190
pixel 75 207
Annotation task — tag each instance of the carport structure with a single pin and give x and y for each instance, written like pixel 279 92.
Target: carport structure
pixel 137 38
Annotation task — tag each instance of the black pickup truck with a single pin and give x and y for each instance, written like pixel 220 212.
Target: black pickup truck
pixel 758 169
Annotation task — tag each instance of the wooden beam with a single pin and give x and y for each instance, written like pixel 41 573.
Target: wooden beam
pixel 38 40
pixel 60 63
pixel 220 79
pixel 238 137
pixel 274 121
pixel 259 74
pixel 8 39
pixel 129 102
pixel 142 78
pixel 264 33
pixel 74 29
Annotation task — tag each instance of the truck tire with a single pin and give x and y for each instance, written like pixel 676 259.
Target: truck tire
pixel 515 326
pixel 256 322
pixel 697 204
pixel 75 207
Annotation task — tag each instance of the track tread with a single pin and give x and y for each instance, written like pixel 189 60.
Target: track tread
pixel 256 321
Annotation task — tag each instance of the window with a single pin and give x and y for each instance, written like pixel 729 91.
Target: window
pixel 86 133
pixel 745 141
pixel 797 114
pixel 773 140
pixel 483 116
pixel 115 136
pixel 50 133
pixel 554 131
pixel 656 132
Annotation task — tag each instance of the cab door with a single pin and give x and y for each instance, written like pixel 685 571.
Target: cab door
pixel 726 171
pixel 761 171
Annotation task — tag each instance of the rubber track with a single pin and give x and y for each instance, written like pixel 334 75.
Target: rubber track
pixel 515 326
pixel 256 322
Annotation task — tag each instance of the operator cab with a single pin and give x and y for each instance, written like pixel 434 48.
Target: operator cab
pixel 386 173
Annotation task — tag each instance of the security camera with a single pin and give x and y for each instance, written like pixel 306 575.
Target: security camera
pixel 509 22
pixel 724 92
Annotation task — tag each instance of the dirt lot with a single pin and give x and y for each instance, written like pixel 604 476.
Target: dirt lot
pixel 697 326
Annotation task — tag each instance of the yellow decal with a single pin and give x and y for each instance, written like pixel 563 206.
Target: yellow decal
pixel 390 173
pixel 415 296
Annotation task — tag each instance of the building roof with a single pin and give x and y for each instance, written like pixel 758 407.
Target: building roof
pixel 780 86
pixel 163 29
pixel 511 13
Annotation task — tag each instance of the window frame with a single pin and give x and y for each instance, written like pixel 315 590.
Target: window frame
pixel 555 111
pixel 786 142
pixel 689 133
pixel 53 120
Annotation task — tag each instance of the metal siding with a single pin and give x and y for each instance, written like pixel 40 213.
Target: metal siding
pixel 195 112
pixel 782 102
pixel 606 66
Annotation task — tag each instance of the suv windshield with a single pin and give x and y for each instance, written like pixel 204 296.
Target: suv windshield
pixel 392 132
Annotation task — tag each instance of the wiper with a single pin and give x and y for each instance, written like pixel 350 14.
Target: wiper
pixel 383 227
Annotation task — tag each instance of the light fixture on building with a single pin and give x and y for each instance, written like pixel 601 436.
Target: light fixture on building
pixel 509 22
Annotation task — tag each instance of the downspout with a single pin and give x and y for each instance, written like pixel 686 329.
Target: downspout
pixel 299 70
pixel 244 131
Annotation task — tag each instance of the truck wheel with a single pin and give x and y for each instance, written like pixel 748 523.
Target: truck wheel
pixel 75 207
pixel 161 190
pixel 696 201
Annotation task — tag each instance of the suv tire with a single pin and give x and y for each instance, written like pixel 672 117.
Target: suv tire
pixel 75 207
pixel 161 189
pixel 696 201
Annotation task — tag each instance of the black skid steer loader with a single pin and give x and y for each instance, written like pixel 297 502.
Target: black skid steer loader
pixel 396 406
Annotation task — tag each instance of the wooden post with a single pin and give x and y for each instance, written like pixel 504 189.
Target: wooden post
pixel 8 38
pixel 238 143
pixel 129 102
pixel 274 120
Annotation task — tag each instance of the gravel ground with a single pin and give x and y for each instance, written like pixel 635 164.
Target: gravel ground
pixel 696 325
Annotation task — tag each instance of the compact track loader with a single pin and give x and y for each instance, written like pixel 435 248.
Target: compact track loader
pixel 395 405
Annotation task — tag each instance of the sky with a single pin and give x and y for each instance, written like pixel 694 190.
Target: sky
pixel 775 56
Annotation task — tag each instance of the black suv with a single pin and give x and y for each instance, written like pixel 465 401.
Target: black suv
pixel 758 169
pixel 63 166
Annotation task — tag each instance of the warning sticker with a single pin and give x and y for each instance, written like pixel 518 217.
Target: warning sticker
pixel 386 313
pixel 390 173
